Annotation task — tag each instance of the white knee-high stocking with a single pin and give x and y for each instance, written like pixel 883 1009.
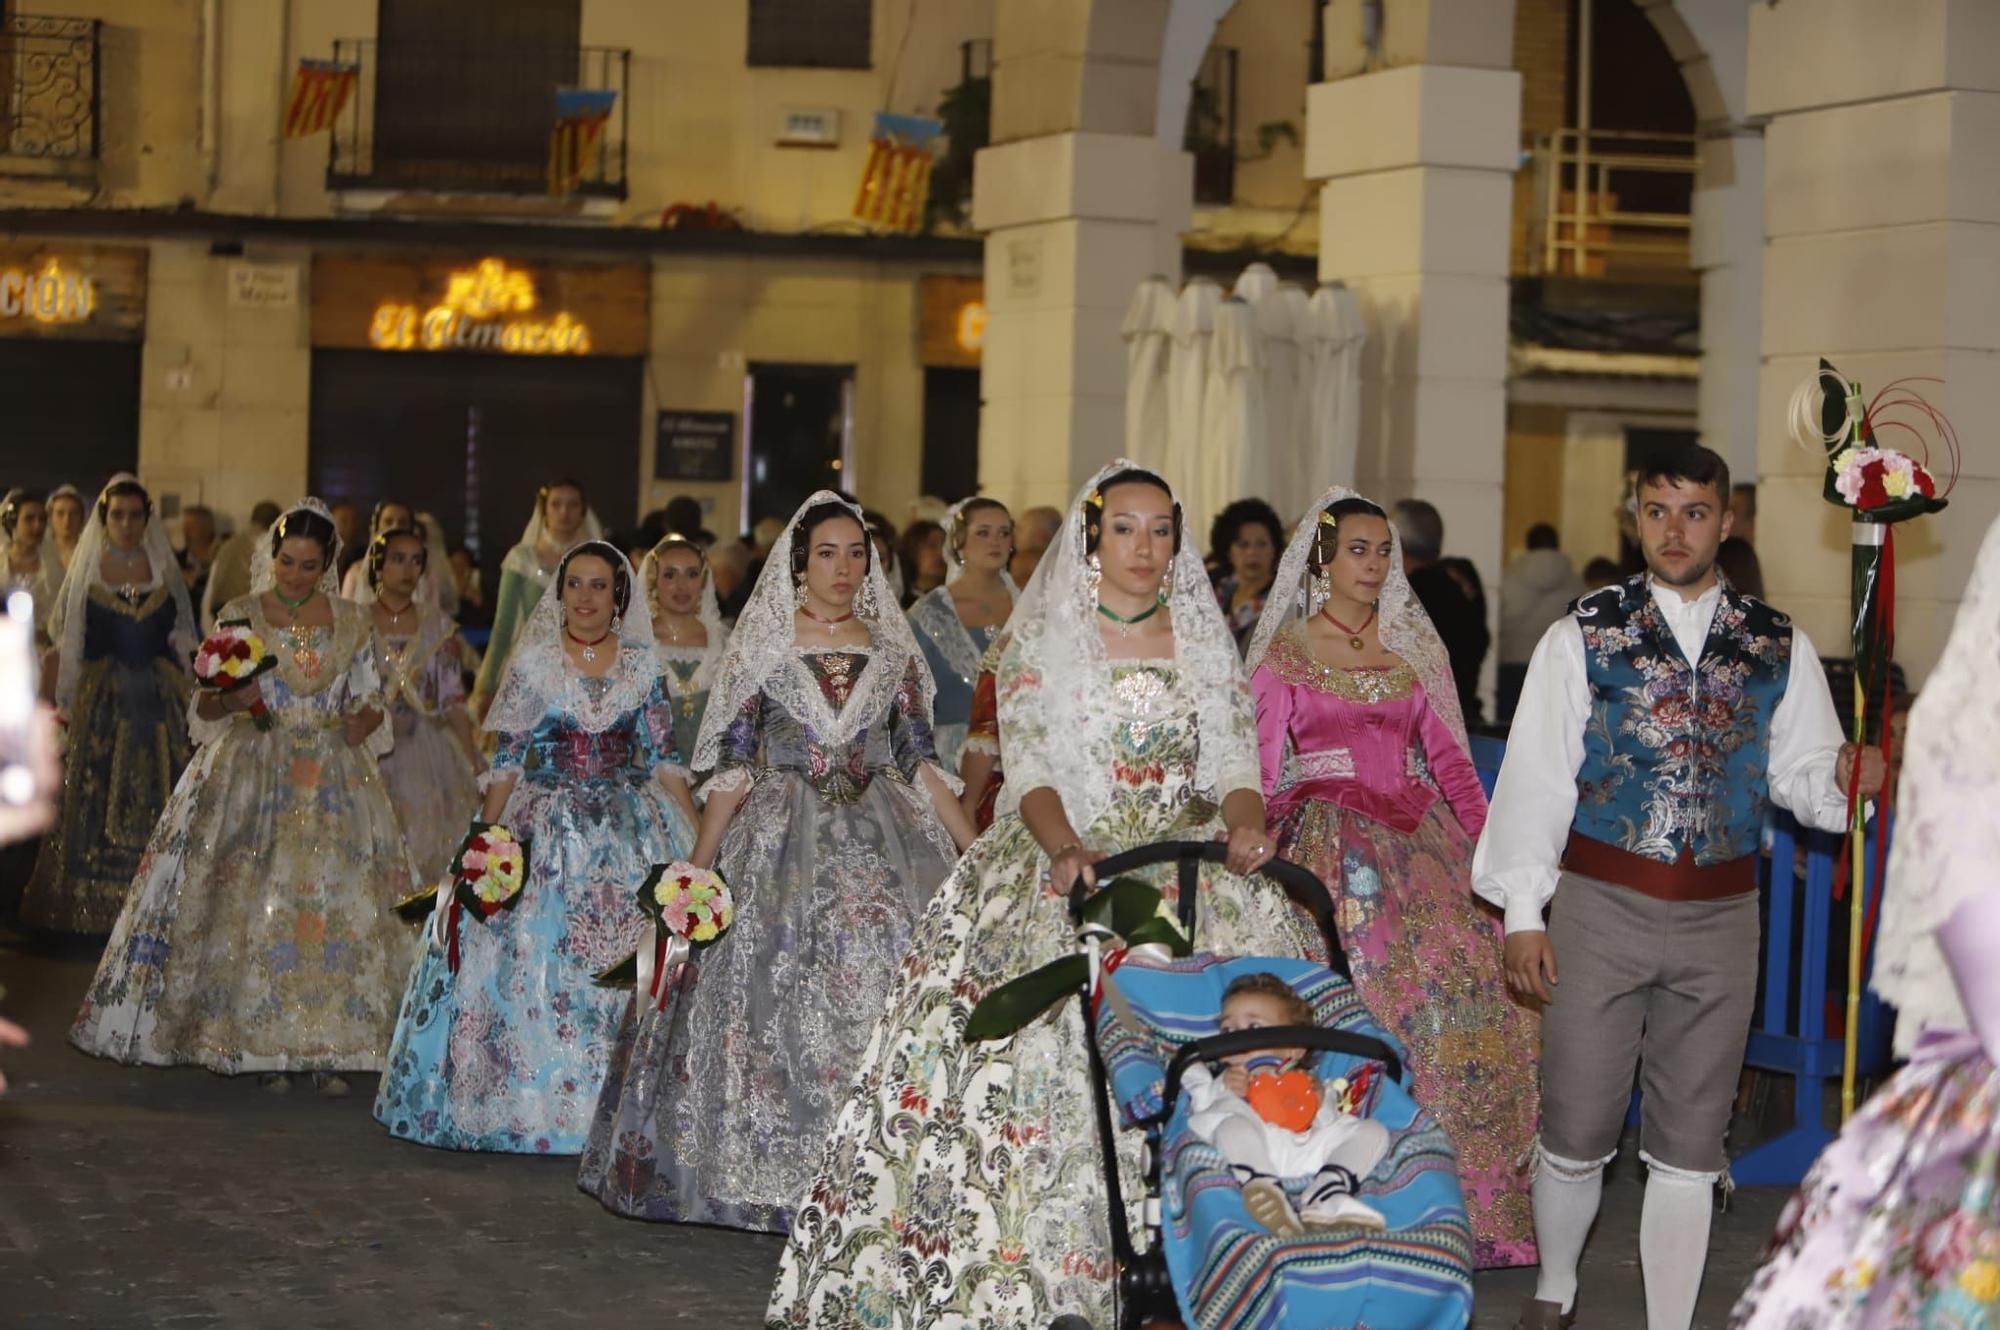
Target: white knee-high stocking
pixel 1566 1194
pixel 1673 1246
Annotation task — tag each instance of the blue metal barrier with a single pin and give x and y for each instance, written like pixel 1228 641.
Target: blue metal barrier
pixel 1788 1034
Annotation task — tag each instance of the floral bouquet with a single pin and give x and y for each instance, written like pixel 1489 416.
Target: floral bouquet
pixel 232 656
pixel 691 909
pixel 485 877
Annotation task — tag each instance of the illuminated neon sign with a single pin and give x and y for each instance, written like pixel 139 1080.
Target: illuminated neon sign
pixel 488 307
pixel 50 294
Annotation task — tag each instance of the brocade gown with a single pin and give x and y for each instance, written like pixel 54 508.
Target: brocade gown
pixel 128 744
pixel 508 1054
pixel 1370 790
pixel 260 934
pixel 962 1184
pixel 430 775
pixel 715 1110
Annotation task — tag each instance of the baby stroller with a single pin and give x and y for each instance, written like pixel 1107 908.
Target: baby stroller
pixel 1207 1264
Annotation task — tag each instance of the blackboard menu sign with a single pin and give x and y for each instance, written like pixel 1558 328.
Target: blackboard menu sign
pixel 695 445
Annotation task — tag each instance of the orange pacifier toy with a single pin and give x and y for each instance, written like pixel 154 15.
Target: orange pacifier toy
pixel 1287 1098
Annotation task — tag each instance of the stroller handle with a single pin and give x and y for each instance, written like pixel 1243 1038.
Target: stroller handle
pixel 1299 883
pixel 1271 1036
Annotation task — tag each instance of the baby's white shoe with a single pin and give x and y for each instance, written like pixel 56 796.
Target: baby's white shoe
pixel 1331 1203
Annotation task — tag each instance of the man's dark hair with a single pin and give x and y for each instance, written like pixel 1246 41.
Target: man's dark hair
pixel 1689 463
pixel 265 513
pixel 1421 527
pixel 1542 536
pixel 683 515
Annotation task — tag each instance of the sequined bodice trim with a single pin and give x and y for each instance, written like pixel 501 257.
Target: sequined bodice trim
pixel 1291 659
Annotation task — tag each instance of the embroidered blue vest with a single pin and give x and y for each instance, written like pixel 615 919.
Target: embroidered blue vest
pixel 1676 757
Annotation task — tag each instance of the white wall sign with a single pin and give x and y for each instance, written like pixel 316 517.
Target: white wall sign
pixel 264 285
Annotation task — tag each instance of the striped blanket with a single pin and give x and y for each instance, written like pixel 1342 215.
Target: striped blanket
pixel 1228 1271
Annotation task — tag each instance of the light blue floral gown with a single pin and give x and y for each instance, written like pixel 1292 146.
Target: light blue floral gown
pixel 510 1052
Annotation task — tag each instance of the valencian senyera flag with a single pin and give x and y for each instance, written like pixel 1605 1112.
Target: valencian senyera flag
pixel 897 178
pixel 581 115
pixel 320 90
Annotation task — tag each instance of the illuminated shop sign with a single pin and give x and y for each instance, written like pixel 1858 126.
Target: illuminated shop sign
pixel 50 294
pixel 487 307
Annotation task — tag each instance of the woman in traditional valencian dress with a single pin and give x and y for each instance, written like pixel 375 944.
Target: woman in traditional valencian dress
pixel 260 934
pixel 561 519
pixel 66 521
pixel 962 1185
pixel 687 629
pixel 388 515
pixel 508 1052
pixel 27 556
pixel 956 622
pixel 1898 1224
pixel 832 824
pixel 433 770
pixel 1371 786
pixel 123 630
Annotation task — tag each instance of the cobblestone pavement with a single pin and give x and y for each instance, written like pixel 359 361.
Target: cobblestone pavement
pixel 137 1199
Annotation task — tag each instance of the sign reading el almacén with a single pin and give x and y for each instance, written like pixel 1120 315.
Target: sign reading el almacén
pixel 80 292
pixel 484 305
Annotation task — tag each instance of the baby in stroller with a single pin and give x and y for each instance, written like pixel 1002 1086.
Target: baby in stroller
pixel 1282 1129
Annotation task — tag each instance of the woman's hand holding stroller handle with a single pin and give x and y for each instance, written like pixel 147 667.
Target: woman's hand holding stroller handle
pixel 1071 862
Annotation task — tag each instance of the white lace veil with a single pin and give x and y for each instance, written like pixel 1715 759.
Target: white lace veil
pixel 538 673
pixel 1296 595
pixel 64 492
pixel 1060 733
pixel 1947 836
pixel 262 578
pixel 708 612
pixel 763 654
pixel 66 623
pixel 531 537
pixel 435 588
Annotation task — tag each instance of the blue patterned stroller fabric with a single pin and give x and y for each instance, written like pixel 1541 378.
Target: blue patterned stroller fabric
pixel 1229 1272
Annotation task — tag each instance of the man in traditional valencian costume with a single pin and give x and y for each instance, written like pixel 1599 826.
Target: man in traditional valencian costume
pixel 1659 719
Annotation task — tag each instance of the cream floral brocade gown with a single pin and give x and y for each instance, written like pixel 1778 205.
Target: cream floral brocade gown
pixel 260 934
pixel 964 1184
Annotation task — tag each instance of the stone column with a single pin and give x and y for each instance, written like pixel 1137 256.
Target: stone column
pixel 1080 201
pixel 1727 249
pixel 1882 224
pixel 1418 140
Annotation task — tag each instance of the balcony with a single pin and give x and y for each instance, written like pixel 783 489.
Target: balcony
pixel 48 67
pixel 454 119
pixel 1614 204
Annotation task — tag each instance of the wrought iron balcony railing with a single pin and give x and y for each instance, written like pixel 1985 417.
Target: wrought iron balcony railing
pixel 48 71
pixel 473 118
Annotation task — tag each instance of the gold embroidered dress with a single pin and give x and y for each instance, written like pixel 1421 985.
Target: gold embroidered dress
pixel 430 777
pixel 128 743
pixel 260 933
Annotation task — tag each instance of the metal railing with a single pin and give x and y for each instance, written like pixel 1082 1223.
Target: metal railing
pixel 445 118
pixel 1211 127
pixel 1612 201
pixel 49 72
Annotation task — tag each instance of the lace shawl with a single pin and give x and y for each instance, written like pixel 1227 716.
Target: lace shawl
pixel 540 678
pixel 935 615
pixel 762 654
pixel 1058 715
pixel 1401 622
pixel 1947 837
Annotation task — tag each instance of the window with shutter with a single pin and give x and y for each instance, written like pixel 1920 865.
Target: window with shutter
pixel 819 34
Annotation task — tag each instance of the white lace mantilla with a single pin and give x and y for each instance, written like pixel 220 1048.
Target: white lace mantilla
pixel 541 679
pixel 1947 838
pixel 1060 733
pixel 936 616
pixel 763 656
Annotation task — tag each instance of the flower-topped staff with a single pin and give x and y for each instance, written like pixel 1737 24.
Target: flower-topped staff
pixel 1880 486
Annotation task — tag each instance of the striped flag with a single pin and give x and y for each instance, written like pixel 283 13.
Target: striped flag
pixel 897 178
pixel 320 89
pixel 580 118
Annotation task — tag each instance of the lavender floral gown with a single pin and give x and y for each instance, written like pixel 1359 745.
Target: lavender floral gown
pixel 715 1110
